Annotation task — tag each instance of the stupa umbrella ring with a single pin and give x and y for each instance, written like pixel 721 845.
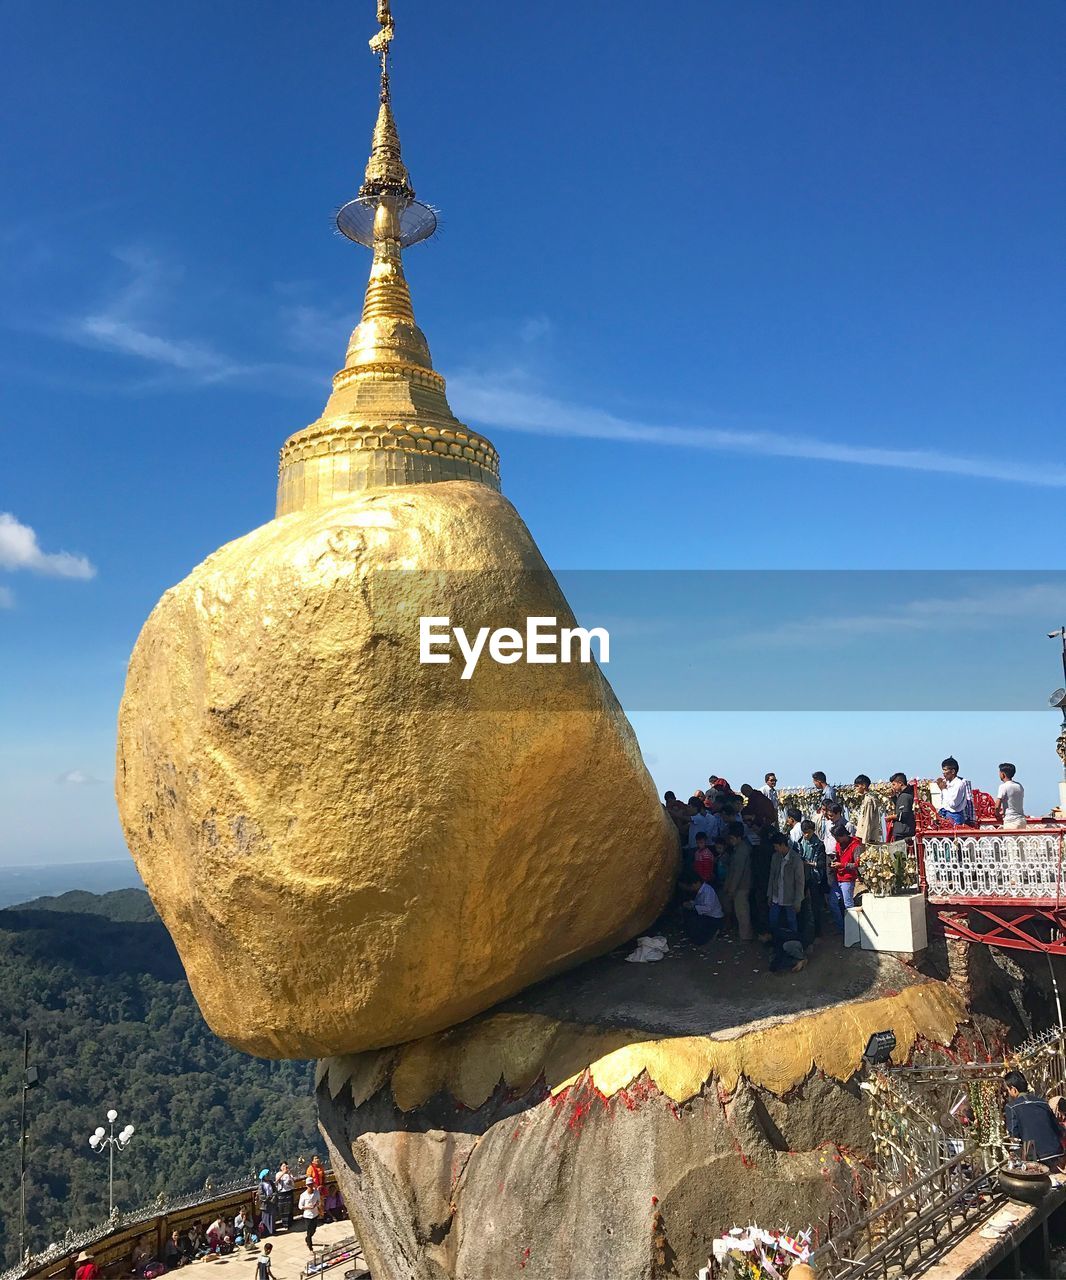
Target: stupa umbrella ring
pixel 356 220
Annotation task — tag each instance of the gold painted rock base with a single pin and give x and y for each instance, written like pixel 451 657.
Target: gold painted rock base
pixel 352 849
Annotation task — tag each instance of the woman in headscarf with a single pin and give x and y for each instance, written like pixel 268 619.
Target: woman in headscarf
pixel 268 1201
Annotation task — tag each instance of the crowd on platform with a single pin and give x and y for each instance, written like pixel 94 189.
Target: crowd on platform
pixel 760 867
pixel 277 1207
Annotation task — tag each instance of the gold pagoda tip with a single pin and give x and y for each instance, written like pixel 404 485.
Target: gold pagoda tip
pixel 388 421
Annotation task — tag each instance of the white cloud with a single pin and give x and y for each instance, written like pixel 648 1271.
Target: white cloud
pixel 78 778
pixel 498 403
pixel 19 549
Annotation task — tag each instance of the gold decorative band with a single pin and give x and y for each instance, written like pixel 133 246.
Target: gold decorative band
pixel 327 462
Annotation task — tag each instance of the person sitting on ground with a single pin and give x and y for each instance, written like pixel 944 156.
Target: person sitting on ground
pixel 786 884
pixel 737 888
pixel 197 1240
pixel 173 1254
pixel 1030 1119
pixel 220 1236
pixel 956 795
pixel 903 824
pixel 868 814
pixel 701 912
pixel 244 1228
pixel 1010 800
pixel 846 866
pixel 758 807
pixel 786 955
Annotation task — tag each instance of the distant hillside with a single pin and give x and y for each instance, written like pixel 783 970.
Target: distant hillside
pixel 112 1023
pixel 19 884
pixel 119 904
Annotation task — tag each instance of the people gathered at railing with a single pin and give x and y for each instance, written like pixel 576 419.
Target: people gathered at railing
pixel 273 1209
pixel 780 864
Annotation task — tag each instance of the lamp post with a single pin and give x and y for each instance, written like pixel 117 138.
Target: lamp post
pixel 113 1142
pixel 30 1080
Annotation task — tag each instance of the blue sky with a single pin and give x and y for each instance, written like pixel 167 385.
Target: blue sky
pixel 731 286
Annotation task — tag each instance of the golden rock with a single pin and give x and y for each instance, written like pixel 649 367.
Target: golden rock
pixel 351 848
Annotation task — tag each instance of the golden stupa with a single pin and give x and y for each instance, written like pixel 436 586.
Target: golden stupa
pixel 352 849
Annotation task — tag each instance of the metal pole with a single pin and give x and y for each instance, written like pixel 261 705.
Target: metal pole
pixel 1064 652
pixel 22 1144
pixel 111 1170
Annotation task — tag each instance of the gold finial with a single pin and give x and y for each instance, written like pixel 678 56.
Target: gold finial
pixel 380 42
pixel 388 421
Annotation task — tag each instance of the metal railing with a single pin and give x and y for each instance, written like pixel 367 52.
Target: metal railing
pixel 121 1229
pixel 913 1228
pixel 993 865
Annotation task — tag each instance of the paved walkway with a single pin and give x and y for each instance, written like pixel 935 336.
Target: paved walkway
pixel 289 1256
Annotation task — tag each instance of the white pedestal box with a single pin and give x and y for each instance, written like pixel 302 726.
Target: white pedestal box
pixel 887 924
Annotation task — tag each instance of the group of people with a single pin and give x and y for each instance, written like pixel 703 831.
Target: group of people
pixel 764 869
pixel 275 1196
pixel 276 1206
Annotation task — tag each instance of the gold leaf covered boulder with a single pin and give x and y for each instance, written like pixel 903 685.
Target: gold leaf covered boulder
pixel 350 848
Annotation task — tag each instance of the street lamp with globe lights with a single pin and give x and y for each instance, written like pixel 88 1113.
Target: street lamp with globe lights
pixel 112 1141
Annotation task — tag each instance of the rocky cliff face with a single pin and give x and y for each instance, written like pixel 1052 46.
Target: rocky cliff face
pixel 525 1144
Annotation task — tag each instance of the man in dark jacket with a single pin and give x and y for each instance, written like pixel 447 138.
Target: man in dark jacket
pixel 1030 1119
pixel 902 807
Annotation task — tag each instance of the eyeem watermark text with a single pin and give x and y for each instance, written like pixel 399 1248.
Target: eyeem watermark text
pixel 543 641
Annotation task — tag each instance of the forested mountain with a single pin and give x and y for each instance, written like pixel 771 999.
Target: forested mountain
pixel 112 1023
pixel 118 904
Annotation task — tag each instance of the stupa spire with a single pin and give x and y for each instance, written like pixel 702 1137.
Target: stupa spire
pixel 388 421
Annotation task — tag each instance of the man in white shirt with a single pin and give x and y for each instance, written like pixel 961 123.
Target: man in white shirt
pixel 702 915
pixel 1010 799
pixel 956 795
pixel 310 1210
pixel 770 790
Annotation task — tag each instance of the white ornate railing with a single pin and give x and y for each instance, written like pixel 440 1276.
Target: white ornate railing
pixel 1001 865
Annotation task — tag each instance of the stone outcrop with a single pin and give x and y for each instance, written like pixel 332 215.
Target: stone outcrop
pixel 525 1144
pixel 351 849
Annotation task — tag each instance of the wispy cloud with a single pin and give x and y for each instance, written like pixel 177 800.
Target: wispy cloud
pixel 78 778
pixel 19 549
pixel 499 403
pixel 986 609
pixel 534 329
pixel 126 324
